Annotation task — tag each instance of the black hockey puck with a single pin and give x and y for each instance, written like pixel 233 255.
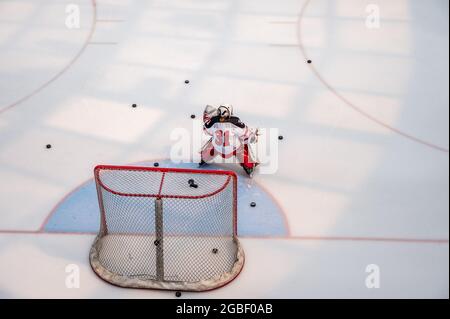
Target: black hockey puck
pixel 191 181
pixel 48 146
pixel 192 116
pixel 280 137
pixel 187 81
pixel 309 61
pixel 253 204
pixel 193 185
pixel 156 164
pixel 178 294
pixel 215 251
pixel 134 105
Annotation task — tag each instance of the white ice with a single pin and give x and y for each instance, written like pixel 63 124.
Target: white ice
pixel 363 169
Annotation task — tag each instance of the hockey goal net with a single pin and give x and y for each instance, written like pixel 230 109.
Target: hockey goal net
pixel 162 228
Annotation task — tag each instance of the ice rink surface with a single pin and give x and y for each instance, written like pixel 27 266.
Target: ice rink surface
pixel 363 175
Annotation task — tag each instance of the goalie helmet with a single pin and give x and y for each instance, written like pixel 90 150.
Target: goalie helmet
pixel 225 110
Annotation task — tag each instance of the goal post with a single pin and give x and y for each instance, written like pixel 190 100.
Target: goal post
pixel 166 228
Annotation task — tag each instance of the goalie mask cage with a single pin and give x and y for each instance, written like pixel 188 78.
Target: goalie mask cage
pixel 164 228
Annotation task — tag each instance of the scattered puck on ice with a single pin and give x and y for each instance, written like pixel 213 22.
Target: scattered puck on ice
pixel 134 105
pixel 280 137
pixel 187 81
pixel 156 242
pixel 156 164
pixel 178 294
pixel 192 116
pixel 191 181
pixel 48 146
pixel 253 204
pixel 309 61
pixel 215 251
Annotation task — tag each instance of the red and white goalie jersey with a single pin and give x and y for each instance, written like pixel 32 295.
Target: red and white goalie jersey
pixel 229 137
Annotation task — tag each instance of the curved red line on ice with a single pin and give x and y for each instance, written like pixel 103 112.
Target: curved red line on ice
pixel 61 72
pixel 349 103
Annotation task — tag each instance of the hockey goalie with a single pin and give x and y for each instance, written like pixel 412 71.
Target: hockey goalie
pixel 228 138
